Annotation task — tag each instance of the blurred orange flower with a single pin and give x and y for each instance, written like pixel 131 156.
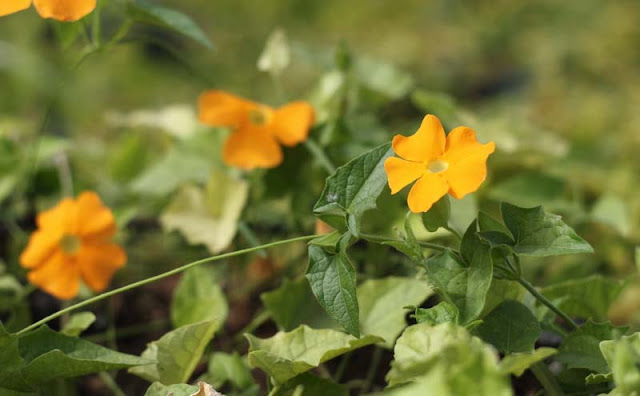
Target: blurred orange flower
pixel 73 241
pixel 455 164
pixel 258 130
pixel 62 10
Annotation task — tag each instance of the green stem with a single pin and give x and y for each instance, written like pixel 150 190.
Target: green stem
pixel 546 379
pixel 546 302
pixel 159 277
pixel 373 368
pixel 96 31
pixel 319 154
pixel 250 236
pixel 111 384
pixel 381 239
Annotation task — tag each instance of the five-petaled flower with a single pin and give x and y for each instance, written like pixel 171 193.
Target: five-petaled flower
pixel 257 130
pixel 73 242
pixel 455 164
pixel 62 10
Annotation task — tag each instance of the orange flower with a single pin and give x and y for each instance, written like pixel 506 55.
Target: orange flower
pixel 62 10
pixel 258 130
pixel 455 164
pixel 73 241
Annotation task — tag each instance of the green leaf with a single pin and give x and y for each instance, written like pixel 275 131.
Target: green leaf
pixel 581 348
pixel 152 14
pixel 286 355
pixel 540 234
pixel 333 282
pixel 327 241
pixel 517 363
pixel 511 327
pixel 445 360
pixel 589 297
pixel 309 385
pixel 383 77
pixel 10 291
pixel 441 313
pixel 177 167
pixel 612 210
pixel 198 297
pixel 276 55
pixel 353 189
pixel 593 378
pixel 464 286
pixel 78 323
pixel 438 215
pixel 381 305
pixel 294 304
pixel 158 389
pixel 49 355
pixel 501 290
pixel 177 353
pixel 11 363
pixel 233 368
pixel 623 356
pixel 208 216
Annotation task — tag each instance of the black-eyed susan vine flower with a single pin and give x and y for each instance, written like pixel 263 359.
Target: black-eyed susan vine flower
pixel 258 130
pixel 62 10
pixel 454 164
pixel 73 242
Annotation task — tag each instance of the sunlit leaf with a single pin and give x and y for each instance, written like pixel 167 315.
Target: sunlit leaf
pixel 518 363
pixel 198 297
pixel 611 209
pixel 78 323
pixel 276 55
pixel 623 357
pixel 445 360
pixel 287 355
pixel 177 353
pixel 382 303
pixel 208 216
pixel 441 313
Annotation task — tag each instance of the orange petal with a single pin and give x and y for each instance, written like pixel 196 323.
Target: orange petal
pixel 400 172
pixel 42 244
pixel 425 145
pixel 252 147
pixel 467 161
pixel 218 108
pixel 64 10
pixel 58 276
pixel 10 6
pixel 61 218
pixel 98 263
pixel 291 123
pixel 94 219
pixel 427 191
